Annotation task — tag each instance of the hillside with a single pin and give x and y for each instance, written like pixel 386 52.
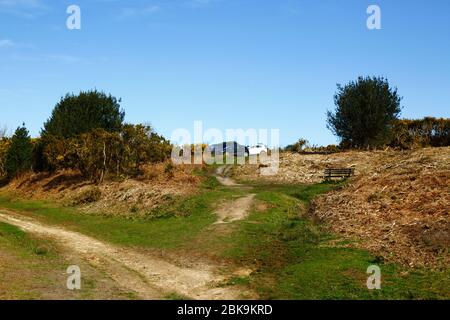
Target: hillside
pixel 155 187
pixel 397 205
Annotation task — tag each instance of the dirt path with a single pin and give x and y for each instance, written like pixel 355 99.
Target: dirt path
pixel 221 175
pixel 148 276
pixel 235 210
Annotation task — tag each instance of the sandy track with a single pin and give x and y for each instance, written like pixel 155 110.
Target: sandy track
pixel 235 210
pixel 148 276
pixel 221 176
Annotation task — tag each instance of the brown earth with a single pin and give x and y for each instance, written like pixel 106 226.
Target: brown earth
pixel 142 273
pixel 235 210
pixel 148 276
pixel 397 205
pixel 127 196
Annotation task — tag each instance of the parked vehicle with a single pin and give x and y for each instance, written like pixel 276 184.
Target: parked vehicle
pixel 259 149
pixel 236 149
pixel 230 148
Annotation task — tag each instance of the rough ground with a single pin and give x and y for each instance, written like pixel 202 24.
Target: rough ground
pixel 397 205
pixel 223 178
pixel 232 210
pixel 308 168
pixel 235 210
pixel 399 209
pixel 153 188
pixel 26 274
pixel 148 276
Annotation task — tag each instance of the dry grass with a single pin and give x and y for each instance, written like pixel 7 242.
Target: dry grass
pixel 308 168
pixel 128 196
pixel 397 205
pixel 398 209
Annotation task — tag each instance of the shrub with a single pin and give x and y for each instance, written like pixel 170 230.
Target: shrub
pixel 299 146
pixel 4 147
pixel 89 195
pixel 169 170
pixel 143 145
pixel 365 112
pixel 82 113
pixel 98 152
pixel 427 132
pixel 57 153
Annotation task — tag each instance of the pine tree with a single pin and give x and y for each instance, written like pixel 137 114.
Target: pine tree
pixel 19 156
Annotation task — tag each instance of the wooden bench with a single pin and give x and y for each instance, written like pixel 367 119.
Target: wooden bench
pixel 342 173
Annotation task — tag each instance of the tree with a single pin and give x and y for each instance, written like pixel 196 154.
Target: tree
pixel 19 155
pixel 78 114
pixel 365 112
pixel 4 147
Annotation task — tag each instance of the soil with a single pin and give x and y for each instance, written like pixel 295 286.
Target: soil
pixel 235 210
pixel 397 205
pixel 148 276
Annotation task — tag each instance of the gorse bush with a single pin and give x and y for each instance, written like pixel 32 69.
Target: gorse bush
pixel 427 132
pixel 299 146
pixel 143 145
pixel 85 132
pixel 98 153
pixel 4 147
pixel 89 195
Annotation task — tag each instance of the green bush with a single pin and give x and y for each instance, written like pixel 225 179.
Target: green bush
pixel 82 113
pixel 365 112
pixel 98 152
pixel 19 155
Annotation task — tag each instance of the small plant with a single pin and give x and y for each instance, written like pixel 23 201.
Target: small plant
pixel 90 195
pixel 169 170
pixel 376 196
pixel 41 250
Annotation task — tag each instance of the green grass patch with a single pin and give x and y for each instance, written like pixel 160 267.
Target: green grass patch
pixel 295 258
pixel 30 246
pixel 176 296
pixel 168 227
pixel 292 256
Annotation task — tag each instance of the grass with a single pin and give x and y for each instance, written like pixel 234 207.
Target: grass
pixel 292 256
pixel 28 261
pixel 34 268
pixel 176 296
pixel 170 227
pixel 29 246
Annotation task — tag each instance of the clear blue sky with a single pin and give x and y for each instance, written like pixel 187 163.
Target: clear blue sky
pixel 230 63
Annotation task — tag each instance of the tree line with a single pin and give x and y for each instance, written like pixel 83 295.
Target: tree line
pixel 85 132
pixel 367 115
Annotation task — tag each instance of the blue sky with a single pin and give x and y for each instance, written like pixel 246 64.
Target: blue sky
pixel 229 63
